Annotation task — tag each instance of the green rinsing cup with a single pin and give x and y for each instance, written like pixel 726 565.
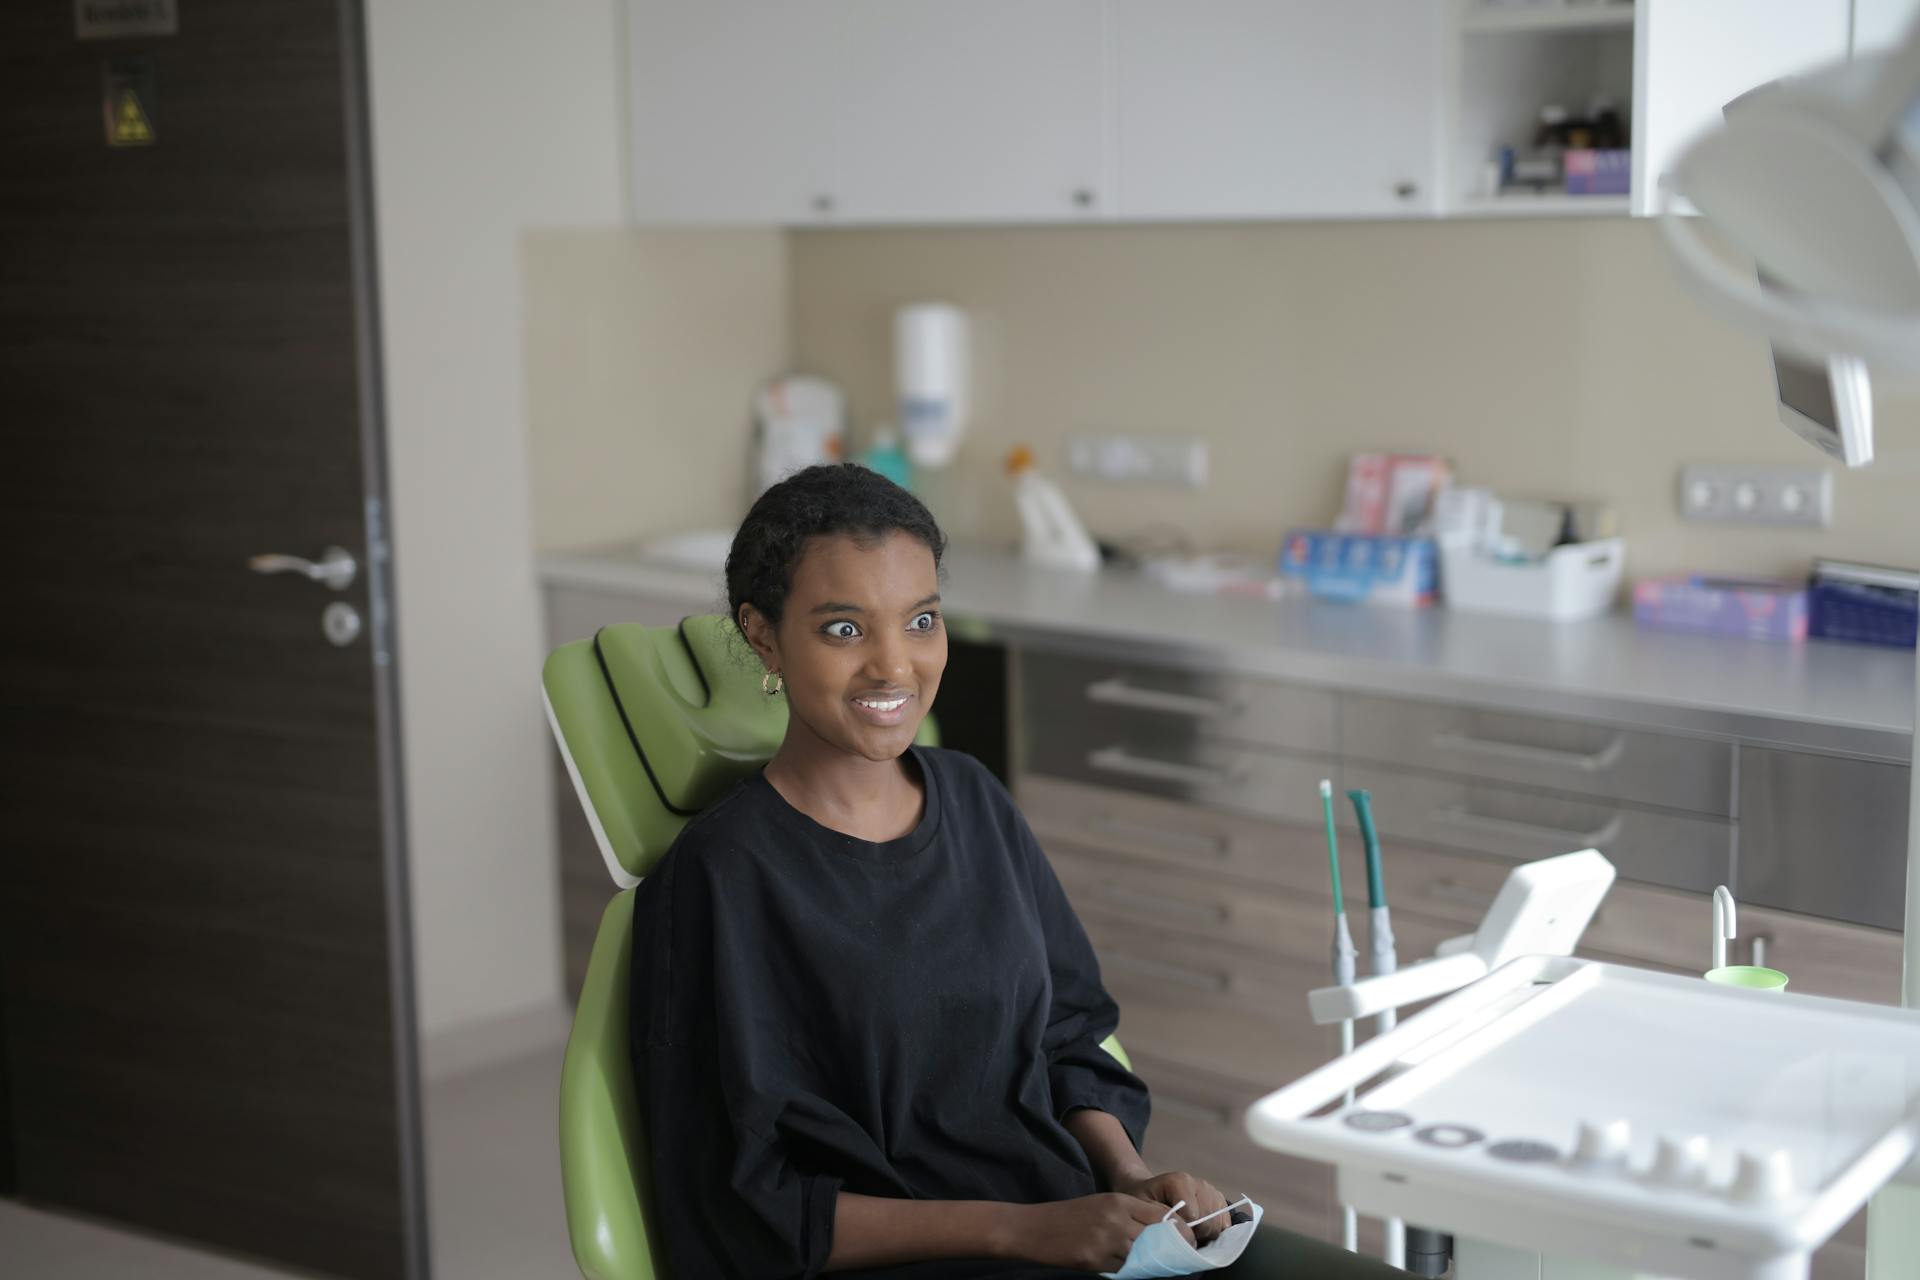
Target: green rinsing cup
pixel 1751 976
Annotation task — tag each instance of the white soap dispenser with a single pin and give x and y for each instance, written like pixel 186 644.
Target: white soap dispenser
pixel 1055 538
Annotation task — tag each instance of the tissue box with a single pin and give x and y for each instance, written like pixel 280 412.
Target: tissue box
pixel 1722 606
pixel 1356 566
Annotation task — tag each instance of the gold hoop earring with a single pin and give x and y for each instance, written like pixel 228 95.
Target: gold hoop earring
pixel 778 683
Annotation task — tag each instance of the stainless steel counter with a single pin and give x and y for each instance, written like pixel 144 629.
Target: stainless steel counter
pixel 1828 697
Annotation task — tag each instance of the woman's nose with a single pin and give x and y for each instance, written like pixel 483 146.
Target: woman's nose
pixel 890 661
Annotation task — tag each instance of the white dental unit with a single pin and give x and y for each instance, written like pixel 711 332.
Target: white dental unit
pixel 1571 1120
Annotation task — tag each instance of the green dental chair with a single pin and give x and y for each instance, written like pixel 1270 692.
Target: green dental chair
pixel 655 724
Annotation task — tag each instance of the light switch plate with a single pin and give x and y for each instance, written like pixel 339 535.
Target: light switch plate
pixel 1178 461
pixel 1734 493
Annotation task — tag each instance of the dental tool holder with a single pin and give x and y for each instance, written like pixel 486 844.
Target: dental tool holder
pixel 1541 909
pixel 1650 1124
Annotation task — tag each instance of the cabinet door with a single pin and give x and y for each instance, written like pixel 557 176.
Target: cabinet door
pixel 1276 108
pixel 1880 24
pixel 1692 57
pixel 724 100
pixel 864 111
pixel 979 112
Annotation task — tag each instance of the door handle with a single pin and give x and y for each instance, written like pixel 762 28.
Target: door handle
pixel 335 568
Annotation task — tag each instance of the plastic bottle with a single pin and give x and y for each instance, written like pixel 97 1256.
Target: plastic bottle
pixel 886 456
pixel 1055 538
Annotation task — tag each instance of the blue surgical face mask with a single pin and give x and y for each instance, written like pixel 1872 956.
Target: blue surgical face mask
pixel 1161 1250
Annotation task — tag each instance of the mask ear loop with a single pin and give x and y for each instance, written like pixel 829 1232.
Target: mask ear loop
pixel 1243 1200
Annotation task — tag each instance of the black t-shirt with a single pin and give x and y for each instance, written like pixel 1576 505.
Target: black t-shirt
pixel 814 1012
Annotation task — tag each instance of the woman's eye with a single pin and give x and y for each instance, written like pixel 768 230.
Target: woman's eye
pixel 842 630
pixel 925 622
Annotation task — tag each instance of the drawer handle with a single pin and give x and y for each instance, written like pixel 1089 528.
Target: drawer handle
pixel 1120 760
pixel 1606 834
pixel 1117 692
pixel 1147 833
pixel 1586 762
pixel 1198 978
pixel 1157 905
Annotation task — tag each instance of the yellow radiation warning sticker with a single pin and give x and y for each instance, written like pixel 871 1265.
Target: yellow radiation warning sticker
pixel 128 102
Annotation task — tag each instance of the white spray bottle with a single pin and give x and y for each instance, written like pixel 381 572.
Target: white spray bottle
pixel 1055 538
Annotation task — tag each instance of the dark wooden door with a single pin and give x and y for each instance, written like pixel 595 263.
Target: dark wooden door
pixel 204 963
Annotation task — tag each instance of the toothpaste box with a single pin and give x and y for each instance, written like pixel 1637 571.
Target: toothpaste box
pixel 1369 567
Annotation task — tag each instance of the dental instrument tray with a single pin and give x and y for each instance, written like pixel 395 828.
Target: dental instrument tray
pixel 1633 1118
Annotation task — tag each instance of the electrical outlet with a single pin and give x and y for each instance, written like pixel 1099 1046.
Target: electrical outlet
pixel 1731 493
pixel 1179 461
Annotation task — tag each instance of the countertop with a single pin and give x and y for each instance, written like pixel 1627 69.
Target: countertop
pixel 1818 696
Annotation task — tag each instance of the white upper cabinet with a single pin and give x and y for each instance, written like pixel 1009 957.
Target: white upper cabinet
pixel 1275 108
pixel 1692 57
pixel 1879 24
pixel 865 111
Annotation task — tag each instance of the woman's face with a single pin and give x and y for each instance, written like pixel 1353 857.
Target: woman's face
pixel 860 644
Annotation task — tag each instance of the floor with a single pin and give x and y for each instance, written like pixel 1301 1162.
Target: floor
pixel 493 1181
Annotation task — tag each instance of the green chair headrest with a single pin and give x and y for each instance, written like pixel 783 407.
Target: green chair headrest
pixel 657 723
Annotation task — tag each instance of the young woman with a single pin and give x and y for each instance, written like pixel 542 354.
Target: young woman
pixel 866 1022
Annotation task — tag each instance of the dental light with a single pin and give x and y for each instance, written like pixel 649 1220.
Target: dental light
pixel 1816 181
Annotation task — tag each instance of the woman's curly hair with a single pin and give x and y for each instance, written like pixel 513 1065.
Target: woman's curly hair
pixel 838 498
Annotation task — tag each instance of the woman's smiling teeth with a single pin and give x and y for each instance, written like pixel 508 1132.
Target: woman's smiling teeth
pixel 885 712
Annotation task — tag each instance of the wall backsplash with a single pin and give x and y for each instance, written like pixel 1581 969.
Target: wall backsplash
pixel 1544 357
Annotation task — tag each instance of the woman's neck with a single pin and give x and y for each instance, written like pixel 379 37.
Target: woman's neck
pixel 875 800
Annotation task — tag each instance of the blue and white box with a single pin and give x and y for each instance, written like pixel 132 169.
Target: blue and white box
pixel 1357 566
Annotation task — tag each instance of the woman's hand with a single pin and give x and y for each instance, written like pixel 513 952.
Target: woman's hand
pixel 1169 1189
pixel 1091 1233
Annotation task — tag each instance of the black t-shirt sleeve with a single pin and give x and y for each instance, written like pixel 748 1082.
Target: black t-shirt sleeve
pixel 726 1197
pixel 1081 1072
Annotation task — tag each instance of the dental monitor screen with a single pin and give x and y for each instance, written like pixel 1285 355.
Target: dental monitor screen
pixel 1829 404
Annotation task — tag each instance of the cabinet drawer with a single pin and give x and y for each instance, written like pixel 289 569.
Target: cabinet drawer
pixel 1279 925
pixel 1563 755
pixel 1211 775
pixel 1669 849
pixel 1435 883
pixel 1175 703
pixel 1824 835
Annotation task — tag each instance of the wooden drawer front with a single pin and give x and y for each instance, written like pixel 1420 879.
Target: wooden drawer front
pixel 1824 835
pixel 1669 849
pixel 1221 1007
pixel 1211 775
pixel 1695 774
pixel 1210 909
pixel 1181 704
pixel 1435 883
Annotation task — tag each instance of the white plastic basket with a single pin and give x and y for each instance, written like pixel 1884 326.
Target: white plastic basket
pixel 1575 581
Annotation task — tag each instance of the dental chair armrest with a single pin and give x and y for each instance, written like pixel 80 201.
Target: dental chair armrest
pixel 1439 976
pixel 1454 946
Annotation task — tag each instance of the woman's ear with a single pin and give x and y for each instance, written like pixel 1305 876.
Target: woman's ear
pixel 760 634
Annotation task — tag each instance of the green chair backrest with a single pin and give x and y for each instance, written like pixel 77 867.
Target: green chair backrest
pixel 655 724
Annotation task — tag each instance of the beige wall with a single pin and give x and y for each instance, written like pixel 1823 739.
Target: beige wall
pixel 1552 357
pixel 458 174
pixel 643 352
